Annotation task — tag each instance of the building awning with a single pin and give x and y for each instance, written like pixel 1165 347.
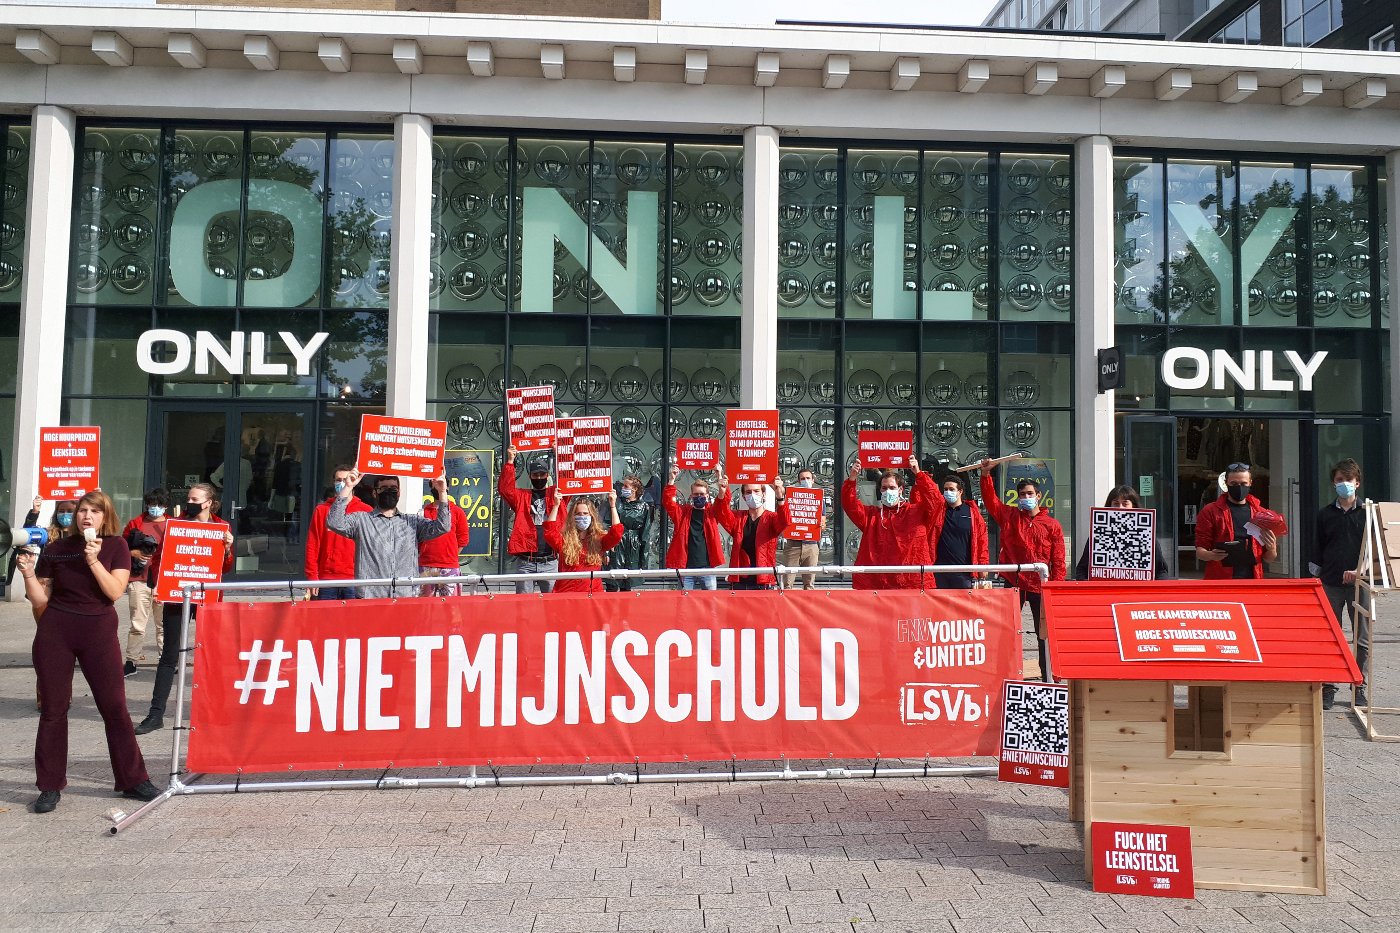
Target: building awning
pixel 1241 630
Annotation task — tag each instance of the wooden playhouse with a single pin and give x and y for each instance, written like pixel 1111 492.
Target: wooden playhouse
pixel 1200 704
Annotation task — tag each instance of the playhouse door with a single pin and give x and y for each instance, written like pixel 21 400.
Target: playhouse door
pixel 1149 466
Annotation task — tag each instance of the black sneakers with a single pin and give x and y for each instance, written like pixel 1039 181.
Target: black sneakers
pixel 1358 696
pixel 47 802
pixel 145 791
pixel 128 668
pixel 151 723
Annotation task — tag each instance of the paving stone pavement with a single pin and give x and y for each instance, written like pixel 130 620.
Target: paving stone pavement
pixel 935 855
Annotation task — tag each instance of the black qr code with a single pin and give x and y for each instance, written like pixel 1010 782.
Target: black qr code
pixel 1121 539
pixel 1037 718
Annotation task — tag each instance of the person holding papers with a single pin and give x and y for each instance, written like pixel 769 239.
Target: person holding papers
pixel 581 542
pixel 755 532
pixel 386 540
pixel 1223 543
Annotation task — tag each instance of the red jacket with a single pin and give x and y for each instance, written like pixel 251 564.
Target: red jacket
pixel 678 554
pixel 939 511
pixel 898 535
pixel 442 551
pixel 330 556
pixel 214 596
pixel 522 530
pixel 155 530
pixel 771 526
pixel 554 534
pixel 1025 539
pixel 1214 525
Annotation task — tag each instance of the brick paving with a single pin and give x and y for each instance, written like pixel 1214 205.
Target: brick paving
pixel 947 855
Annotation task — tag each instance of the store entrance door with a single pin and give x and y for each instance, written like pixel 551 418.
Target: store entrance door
pixel 1149 466
pixel 256 456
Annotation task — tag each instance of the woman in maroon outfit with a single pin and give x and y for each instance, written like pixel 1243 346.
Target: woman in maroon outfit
pixel 72 587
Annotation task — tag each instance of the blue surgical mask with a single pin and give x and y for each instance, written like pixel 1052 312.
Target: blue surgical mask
pixel 582 522
pixel 951 497
pixel 339 488
pixel 699 501
pixel 889 496
pixel 753 500
pixel 64 519
pixel 155 511
pixel 1346 490
pixel 625 492
pixel 806 483
pixel 1028 503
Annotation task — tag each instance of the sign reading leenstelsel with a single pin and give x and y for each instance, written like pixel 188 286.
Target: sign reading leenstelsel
pixel 696 454
pixel 1134 858
pixel 1184 632
pixel 193 552
pixel 751 445
pixel 531 413
pixel 68 461
pixel 401 446
pixel 804 514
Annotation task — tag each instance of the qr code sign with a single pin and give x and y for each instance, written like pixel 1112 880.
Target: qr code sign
pixel 1122 544
pixel 1037 718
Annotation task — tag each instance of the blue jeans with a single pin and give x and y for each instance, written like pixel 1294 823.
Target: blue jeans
pixel 337 592
pixel 698 583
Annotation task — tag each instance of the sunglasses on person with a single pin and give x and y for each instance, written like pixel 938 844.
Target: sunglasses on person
pixel 1237 468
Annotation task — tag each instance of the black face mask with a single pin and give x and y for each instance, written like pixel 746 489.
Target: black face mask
pixel 1238 493
pixel 193 509
pixel 539 482
pixel 387 498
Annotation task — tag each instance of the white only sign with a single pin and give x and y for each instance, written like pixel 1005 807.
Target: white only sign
pixel 1191 368
pixel 247 353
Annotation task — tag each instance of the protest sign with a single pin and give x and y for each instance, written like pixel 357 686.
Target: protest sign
pixel 751 445
pixel 697 453
pixel 401 446
pixel 68 461
pixel 583 454
pixel 1185 631
pixel 530 411
pixel 883 450
pixel 192 552
pixel 804 508
pixel 1122 544
pixel 1034 734
pixel 1131 858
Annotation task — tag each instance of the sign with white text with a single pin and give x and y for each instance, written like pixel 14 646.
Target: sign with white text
pixel 885 450
pixel 401 446
pixel 530 410
pixel 697 453
pixel 1122 544
pixel 1034 734
pixel 751 445
pixel 1166 631
pixel 68 461
pixel 583 454
pixel 1135 858
pixel 804 507
pixel 192 552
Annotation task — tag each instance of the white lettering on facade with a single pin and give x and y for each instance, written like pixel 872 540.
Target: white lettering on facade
pixel 1191 368
pixel 246 353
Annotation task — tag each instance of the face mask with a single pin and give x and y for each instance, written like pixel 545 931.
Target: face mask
pixel 889 497
pixel 539 482
pixel 64 519
pixel 387 498
pixel 951 497
pixel 155 511
pixel 753 500
pixel 193 509
pixel 1239 493
pixel 1346 490
pixel 625 493
pixel 1028 503
pixel 806 483
pixel 339 488
pixel 582 522
pixel 699 501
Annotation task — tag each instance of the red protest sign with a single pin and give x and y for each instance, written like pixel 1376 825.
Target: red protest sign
pixel 192 552
pixel 1034 734
pixel 583 454
pixel 373 682
pixel 1171 631
pixel 804 508
pixel 1135 858
pixel 530 410
pixel 401 446
pixel 751 445
pixel 697 453
pixel 68 461
pixel 881 450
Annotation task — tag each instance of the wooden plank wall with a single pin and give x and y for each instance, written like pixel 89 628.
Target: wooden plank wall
pixel 1256 819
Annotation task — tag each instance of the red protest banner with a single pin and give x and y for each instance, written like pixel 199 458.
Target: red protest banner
pixel 657 676
pixel 1122 544
pixel 530 410
pixel 1135 858
pixel 696 454
pixel 882 450
pixel 1034 734
pixel 804 514
pixel 401 446
pixel 1170 631
pixel 583 454
pixel 68 461
pixel 751 445
pixel 193 552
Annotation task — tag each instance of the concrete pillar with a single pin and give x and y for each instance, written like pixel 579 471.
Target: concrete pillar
pixel 1093 322
pixel 43 299
pixel 758 330
pixel 1392 213
pixel 410 255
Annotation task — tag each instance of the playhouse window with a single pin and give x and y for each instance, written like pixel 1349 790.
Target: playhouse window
pixel 1199 719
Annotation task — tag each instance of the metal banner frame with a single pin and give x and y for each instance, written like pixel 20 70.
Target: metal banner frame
pixel 183 783
pixel 1372 576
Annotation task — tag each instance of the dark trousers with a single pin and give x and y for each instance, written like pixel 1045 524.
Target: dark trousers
pixel 61 638
pixel 749 583
pixel 1033 600
pixel 336 592
pixel 169 665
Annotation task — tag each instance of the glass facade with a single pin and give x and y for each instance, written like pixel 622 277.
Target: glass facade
pixel 14 188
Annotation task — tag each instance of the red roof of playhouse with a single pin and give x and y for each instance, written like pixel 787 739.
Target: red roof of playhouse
pixel 1297 635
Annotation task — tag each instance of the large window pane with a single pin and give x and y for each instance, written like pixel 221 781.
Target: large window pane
pixel 808 238
pixel 469 239
pixel 707 198
pixel 1034 232
pixel 551 187
pixel 123 424
pixel 956 236
pixel 361 219
pixel 203 194
pixel 882 234
pixel 626 214
pixel 101 352
pixel 114 239
pixel 356 355
pixel 1200 243
pixel 1270 216
pixel 1137 245
pixel 1343 263
pixel 14 187
pixel 282 248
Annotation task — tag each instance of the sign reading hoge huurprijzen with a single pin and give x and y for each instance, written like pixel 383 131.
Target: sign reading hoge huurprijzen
pixel 530 413
pixel 68 461
pixel 192 552
pixel 401 446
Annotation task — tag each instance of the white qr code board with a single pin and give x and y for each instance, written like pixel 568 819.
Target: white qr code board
pixel 1035 734
pixel 1122 544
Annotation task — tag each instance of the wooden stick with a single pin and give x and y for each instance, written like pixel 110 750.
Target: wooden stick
pixel 992 462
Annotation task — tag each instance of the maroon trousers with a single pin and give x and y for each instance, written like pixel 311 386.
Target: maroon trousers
pixel 61 638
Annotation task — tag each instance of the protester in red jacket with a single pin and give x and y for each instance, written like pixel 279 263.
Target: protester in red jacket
pixel 440 556
pixel 754 532
pixel 531 506
pixel 895 531
pixel 695 542
pixel 963 540
pixel 1228 550
pixel 581 542
pixel 331 556
pixel 1028 536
